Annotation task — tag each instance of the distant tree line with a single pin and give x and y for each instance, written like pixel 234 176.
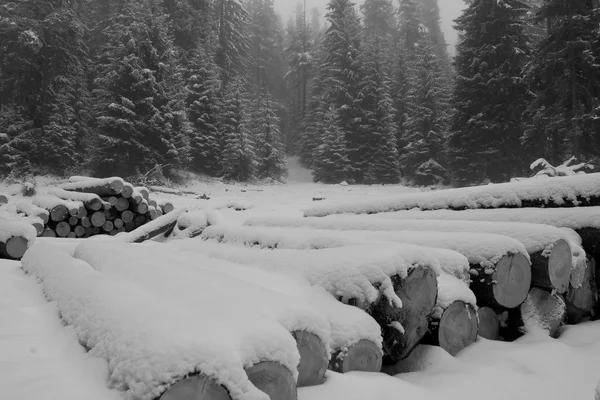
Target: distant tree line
pixel 225 88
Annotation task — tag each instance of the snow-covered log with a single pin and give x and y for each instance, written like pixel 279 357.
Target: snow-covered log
pixel 101 187
pixel 3 198
pixel 143 191
pixel 454 322
pixel 154 341
pixel 398 295
pixel 541 310
pixel 190 225
pixel 166 190
pixel 554 251
pixel 58 209
pixel 308 325
pixel 161 225
pixel 363 355
pixel 197 387
pixel 489 324
pixel 273 379
pixel 15 237
pixel 89 200
pixel 582 296
pixel 579 190
pixel 28 208
pixel 127 190
pixel 500 267
pixel 165 206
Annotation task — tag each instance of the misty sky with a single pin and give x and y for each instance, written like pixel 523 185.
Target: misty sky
pixel 450 9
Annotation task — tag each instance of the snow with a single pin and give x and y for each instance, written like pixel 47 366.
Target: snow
pixel 190 223
pixel 561 190
pixel 348 324
pixel 535 237
pixel 568 217
pixel 75 196
pixel 78 184
pixel 147 228
pixel 451 289
pixel 30 209
pixel 48 202
pixel 16 227
pixel 348 273
pixel 478 248
pixel 117 320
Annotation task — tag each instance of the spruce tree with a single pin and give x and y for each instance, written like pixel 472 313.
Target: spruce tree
pixel 233 24
pixel 490 94
pixel 239 154
pixel 332 164
pixel 564 76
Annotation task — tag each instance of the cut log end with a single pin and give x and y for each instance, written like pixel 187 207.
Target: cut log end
pixel 362 356
pixel 63 229
pixel 98 219
pixel 197 387
pixel 456 329
pixel 418 292
pixel 14 248
pixel 489 324
pixel 582 296
pixel 313 359
pixel 543 310
pixel 273 379
pixel 559 266
pixel 59 213
pixel 512 280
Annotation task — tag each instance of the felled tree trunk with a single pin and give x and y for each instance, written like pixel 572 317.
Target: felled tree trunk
pixel 582 296
pixel 273 379
pixel 403 328
pixel 489 324
pixel 552 272
pixel 313 359
pixel 504 286
pixel 101 187
pixel 198 387
pixel 455 329
pixel 13 248
pixel 161 225
pixel 362 356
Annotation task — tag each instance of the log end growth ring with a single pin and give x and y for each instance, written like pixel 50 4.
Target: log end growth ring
pixel 458 327
pixel 15 247
pixel 559 265
pixel 273 379
pixel 198 387
pixel 512 280
pixel 313 359
pixel 362 356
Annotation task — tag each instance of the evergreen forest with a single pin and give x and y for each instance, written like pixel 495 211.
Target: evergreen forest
pixel 367 93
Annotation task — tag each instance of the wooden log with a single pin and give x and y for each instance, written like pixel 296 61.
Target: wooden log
pixel 85 222
pixel 127 190
pixel 552 272
pixel 140 220
pixel 112 200
pixel 489 324
pixel 506 285
pixel 122 204
pixel 96 230
pixel 313 359
pixel 540 310
pixel 582 296
pixel 362 356
pixel 118 222
pixel 142 208
pixel 162 189
pixel 455 330
pixel 82 212
pixel 59 213
pixel 3 199
pixel 79 231
pixel 403 328
pixel 153 203
pixel 73 221
pixel 154 228
pixel 98 219
pixel 113 232
pixel 144 192
pixel 89 231
pixel 111 213
pixel 74 211
pixel 166 206
pixel 14 248
pixel 28 208
pixel 72 235
pixel 90 200
pixel 122 229
pixel 127 216
pixel 101 187
pixel 130 226
pixel 273 379
pixel 63 229
pixel 197 387
pixel 59 208
pixel 48 232
pixel 152 212
pixel 108 226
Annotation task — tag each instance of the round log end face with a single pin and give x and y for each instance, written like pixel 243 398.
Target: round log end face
pixel 458 327
pixel 16 247
pixel 489 325
pixel 512 280
pixel 559 265
pixel 313 359
pixel 363 356
pixel 418 292
pixel 197 387
pixel 117 186
pixel 48 233
pixel 543 310
pixel 63 229
pixel 273 379
pixel 582 299
pixel 127 191
pixel 59 213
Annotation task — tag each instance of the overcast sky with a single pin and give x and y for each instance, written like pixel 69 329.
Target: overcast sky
pixel 450 9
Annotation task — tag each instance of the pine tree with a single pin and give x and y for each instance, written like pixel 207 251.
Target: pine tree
pixel 430 15
pixel 239 153
pixel 232 54
pixel 140 116
pixel 332 163
pixel 264 126
pixel 564 76
pixel 490 94
pixel 203 107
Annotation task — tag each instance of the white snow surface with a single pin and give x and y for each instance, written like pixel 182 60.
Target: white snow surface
pixel 85 182
pixel 478 248
pixel 150 342
pixel 75 196
pixel 48 202
pixel 561 190
pixel 451 289
pixel 164 219
pixel 348 272
pixel 27 207
pixel 190 223
pixel 348 324
pixel 568 217
pixel 16 227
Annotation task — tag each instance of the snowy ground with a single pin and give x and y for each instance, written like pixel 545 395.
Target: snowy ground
pixel 40 359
